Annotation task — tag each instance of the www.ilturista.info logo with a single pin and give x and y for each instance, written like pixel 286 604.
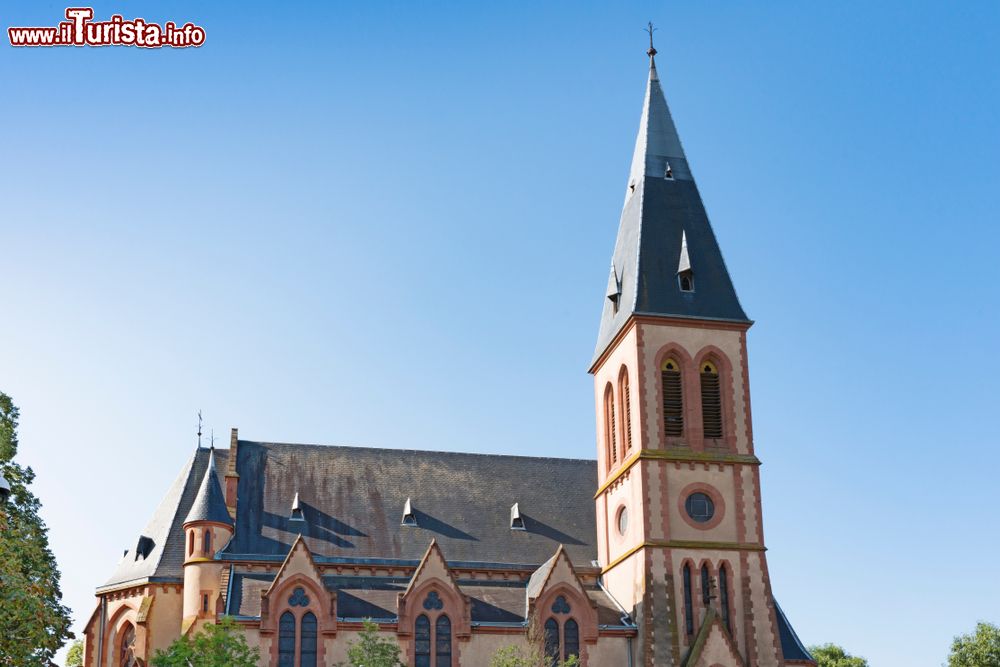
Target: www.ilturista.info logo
pixel 80 30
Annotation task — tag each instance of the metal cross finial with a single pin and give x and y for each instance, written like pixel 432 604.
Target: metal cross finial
pixel 199 429
pixel 650 29
pixel 213 438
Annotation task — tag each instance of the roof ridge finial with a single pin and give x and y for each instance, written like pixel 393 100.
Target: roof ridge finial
pixel 652 50
pixel 199 429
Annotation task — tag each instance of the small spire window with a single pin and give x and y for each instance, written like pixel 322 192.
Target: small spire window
pixel 686 281
pixel 668 173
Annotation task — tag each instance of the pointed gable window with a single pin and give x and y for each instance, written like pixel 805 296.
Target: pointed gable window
pixel 686 281
pixel 668 173
pixel 611 441
pixel 711 400
pixel 673 398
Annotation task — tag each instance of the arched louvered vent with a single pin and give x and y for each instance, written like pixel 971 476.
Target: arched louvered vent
pixel 626 398
pixel 609 424
pixel 673 399
pixel 711 400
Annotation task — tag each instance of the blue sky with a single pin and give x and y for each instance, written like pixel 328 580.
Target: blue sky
pixel 389 224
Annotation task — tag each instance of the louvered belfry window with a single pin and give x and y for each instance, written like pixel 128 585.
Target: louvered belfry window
pixel 609 424
pixel 626 409
pixel 673 399
pixel 711 400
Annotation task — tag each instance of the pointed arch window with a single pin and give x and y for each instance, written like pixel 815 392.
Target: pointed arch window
pixel 688 602
pixel 706 586
pixel 711 400
pixel 422 641
pixel 286 640
pixel 673 398
pixel 307 641
pixel 609 425
pixel 126 647
pixel 442 641
pixel 208 542
pixel 571 639
pixel 626 399
pixel 552 641
pixel 724 595
pixel 190 543
pixel 432 635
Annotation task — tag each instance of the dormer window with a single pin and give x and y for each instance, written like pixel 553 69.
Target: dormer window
pixel 668 173
pixel 297 514
pixel 409 518
pixel 516 520
pixel 686 280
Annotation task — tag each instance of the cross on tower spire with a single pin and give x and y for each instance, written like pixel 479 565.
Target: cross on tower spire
pixel 650 29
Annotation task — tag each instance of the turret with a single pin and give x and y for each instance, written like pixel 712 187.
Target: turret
pixel 207 529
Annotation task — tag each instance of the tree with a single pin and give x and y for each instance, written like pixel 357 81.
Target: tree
pixel 74 657
pixel 34 623
pixel 372 650
pixel 979 649
pixel 533 656
pixel 220 644
pixel 831 655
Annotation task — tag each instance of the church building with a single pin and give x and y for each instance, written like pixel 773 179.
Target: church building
pixel 651 555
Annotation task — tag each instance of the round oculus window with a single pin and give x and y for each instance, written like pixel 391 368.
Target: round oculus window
pixel 699 507
pixel 622 520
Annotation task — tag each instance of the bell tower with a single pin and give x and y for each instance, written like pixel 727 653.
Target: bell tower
pixel 680 535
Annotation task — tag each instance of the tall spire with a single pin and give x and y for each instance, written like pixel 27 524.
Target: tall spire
pixel 663 231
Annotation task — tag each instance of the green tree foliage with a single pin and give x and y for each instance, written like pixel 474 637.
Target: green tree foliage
pixel 831 655
pixel 74 657
pixel 222 644
pixel 34 623
pixel 372 650
pixel 534 656
pixel 979 649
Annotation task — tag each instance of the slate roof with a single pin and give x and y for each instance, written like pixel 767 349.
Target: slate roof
pixel 164 560
pixel 375 597
pixel 210 503
pixel 791 646
pixel 352 500
pixel 658 212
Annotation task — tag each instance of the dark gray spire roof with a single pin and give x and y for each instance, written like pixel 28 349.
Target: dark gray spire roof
pixel 210 503
pixel 662 207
